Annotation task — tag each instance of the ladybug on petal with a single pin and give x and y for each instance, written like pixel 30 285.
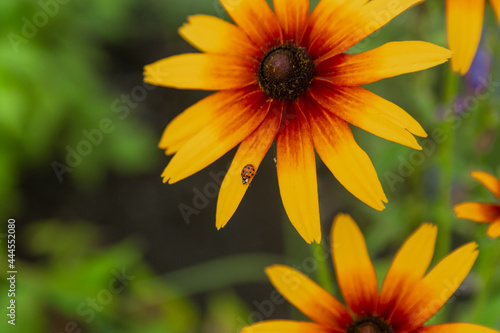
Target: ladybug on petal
pixel 247 173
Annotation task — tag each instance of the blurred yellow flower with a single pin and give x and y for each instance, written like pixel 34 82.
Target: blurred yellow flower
pixel 408 298
pixel 285 75
pixel 482 212
pixel 464 25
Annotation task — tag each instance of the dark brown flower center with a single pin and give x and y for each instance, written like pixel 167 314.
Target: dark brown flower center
pixel 285 72
pixel 370 324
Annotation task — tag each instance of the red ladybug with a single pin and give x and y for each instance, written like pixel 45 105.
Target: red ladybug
pixel 247 173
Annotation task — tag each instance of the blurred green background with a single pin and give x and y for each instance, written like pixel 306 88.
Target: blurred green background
pixel 101 243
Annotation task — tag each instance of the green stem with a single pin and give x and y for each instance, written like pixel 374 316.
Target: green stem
pixel 293 246
pixel 320 255
pixel 444 209
pixel 324 275
pixel 451 86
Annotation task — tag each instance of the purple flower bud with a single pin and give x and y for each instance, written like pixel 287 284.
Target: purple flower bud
pixel 478 77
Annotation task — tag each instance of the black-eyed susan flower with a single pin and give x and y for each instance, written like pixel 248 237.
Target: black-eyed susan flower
pixel 483 212
pixel 464 23
pixel 408 297
pixel 285 75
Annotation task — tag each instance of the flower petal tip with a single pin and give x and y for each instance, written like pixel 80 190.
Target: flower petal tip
pixel 476 173
pixel 220 222
pixel 493 230
pixel 317 239
pixel 269 270
pixel 342 218
pixel 380 207
pixel 429 225
pixel 309 239
pixel 461 70
pixel 378 203
pixel 277 271
pixel 420 132
pixel 167 177
pixel 472 249
pixel 462 210
pixel 469 249
pixel 414 144
pixel 444 52
pixel 186 25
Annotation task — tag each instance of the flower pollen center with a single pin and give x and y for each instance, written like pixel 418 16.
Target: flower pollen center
pixel 370 324
pixel 285 72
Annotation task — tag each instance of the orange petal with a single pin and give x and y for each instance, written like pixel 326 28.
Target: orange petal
pixel 368 111
pixel 296 167
pixel 489 181
pixel 256 19
pixel 213 35
pixel 233 124
pixel 430 294
pixel 496 7
pixel 456 328
pixel 388 60
pixel 292 16
pixel 478 212
pixel 335 145
pixel 196 117
pixel 408 267
pixel 494 229
pixel 308 297
pixel 328 14
pixel 464 22
pixel 355 23
pixel 201 71
pixel 355 272
pixel 251 151
pixel 285 326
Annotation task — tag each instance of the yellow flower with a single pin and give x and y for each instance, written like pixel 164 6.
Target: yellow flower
pixel 481 212
pixel 409 296
pixel 464 25
pixel 286 76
